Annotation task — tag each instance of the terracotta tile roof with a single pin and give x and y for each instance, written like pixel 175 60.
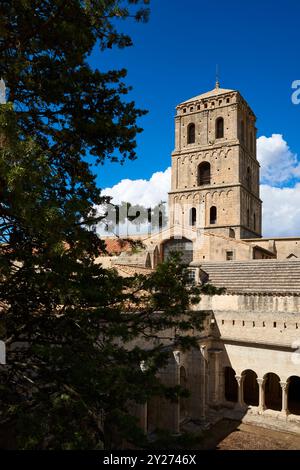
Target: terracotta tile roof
pixel 115 246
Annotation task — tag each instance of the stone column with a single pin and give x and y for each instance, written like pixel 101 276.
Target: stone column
pixel 261 405
pixel 204 379
pixel 214 365
pixel 284 388
pixel 169 412
pixel 240 381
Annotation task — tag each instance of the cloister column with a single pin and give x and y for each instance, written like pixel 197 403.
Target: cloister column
pixel 284 388
pixel 169 412
pixel 195 367
pixel 214 364
pixel 240 381
pixel 261 404
pixel 203 381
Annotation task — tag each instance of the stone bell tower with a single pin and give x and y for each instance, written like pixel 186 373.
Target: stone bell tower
pixel 215 172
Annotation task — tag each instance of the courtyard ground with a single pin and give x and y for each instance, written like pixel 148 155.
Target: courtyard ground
pixel 234 435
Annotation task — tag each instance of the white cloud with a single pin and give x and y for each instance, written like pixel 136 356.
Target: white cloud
pixel 278 163
pixel 147 193
pixel 281 203
pixel 281 211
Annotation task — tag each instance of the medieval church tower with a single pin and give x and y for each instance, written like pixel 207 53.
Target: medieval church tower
pixel 215 172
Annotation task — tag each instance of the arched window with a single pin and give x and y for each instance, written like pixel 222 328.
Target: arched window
pixel 230 385
pixel 231 233
pixel 219 128
pixel 191 134
pixel 273 392
pixel 182 245
pixel 193 216
pixel 242 131
pixel 203 173
pixel 213 215
pixel 250 388
pixel 294 395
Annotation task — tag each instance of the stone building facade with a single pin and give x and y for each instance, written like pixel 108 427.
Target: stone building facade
pixel 248 362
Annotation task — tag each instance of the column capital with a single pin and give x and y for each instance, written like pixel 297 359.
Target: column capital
pixel 260 381
pixel 176 355
pixel 284 388
pixel 239 379
pixel 283 385
pixel 203 351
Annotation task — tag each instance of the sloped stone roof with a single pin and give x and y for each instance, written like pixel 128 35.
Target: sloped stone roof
pixel 254 276
pixel 215 92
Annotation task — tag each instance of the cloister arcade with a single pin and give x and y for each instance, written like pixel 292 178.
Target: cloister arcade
pixel 267 392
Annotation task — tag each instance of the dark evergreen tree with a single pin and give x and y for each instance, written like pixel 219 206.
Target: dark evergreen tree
pixel 70 326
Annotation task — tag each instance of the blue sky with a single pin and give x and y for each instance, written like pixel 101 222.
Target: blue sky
pixel 174 56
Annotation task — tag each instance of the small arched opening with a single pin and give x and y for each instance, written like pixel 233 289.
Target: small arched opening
pixel 219 128
pixel 183 246
pixel 193 216
pixel 213 215
pixel 250 388
pixel 230 385
pixel 203 173
pixel 231 233
pixel 191 133
pixel 294 395
pixel 273 392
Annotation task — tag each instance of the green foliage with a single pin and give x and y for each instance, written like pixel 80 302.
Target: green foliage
pixel 74 367
pixel 71 327
pixel 62 101
pixel 209 289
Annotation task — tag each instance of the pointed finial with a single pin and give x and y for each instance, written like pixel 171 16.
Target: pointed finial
pixel 217 77
pixel 2 92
